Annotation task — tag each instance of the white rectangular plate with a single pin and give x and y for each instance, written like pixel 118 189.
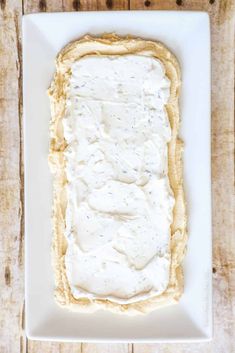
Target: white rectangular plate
pixel 187 34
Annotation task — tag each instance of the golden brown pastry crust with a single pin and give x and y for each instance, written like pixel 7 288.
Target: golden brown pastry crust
pixel 111 44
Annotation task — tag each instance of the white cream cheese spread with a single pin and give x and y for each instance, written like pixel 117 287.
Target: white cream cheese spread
pixel 119 201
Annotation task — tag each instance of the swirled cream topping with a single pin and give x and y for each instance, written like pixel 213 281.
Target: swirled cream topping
pixel 119 208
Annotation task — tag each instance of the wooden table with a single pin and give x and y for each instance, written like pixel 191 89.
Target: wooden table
pixel 12 337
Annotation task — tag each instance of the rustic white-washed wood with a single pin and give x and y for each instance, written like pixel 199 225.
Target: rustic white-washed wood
pixel 74 5
pixel 11 232
pixel 52 347
pixel 12 338
pixel 106 348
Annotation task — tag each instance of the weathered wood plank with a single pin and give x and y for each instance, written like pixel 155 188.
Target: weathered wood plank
pixel 11 244
pixel 222 30
pixel 52 347
pixel 100 5
pixel 31 6
pixel 106 348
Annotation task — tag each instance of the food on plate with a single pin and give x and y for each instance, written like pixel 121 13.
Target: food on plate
pixel 119 218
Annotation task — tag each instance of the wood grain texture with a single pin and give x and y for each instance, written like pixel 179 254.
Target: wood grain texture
pixel 52 347
pixel 11 232
pixel 12 339
pixel 106 348
pixel 31 6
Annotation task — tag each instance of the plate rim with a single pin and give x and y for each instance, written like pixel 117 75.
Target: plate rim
pixel 29 332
